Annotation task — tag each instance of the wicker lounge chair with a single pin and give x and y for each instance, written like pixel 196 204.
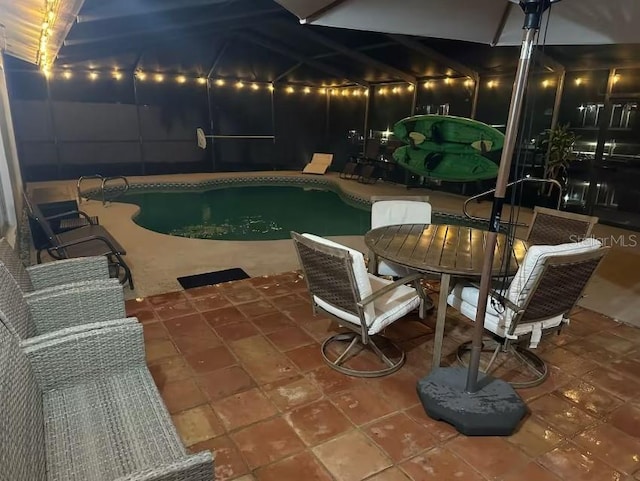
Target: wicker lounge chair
pixel 552 227
pixel 88 241
pixel 341 288
pixel 85 407
pixel 48 312
pixel 545 289
pixel 52 274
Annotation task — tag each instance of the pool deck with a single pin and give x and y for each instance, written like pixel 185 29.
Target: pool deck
pixel 157 260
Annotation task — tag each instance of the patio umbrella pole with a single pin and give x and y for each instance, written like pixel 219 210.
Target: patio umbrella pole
pixel 487 406
pixel 532 25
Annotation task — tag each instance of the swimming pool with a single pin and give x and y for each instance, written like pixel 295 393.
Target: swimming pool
pixel 257 212
pixel 249 213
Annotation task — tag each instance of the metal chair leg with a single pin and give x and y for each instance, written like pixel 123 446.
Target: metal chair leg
pixel 393 363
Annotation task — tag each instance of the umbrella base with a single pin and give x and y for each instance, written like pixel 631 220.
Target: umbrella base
pixel 495 409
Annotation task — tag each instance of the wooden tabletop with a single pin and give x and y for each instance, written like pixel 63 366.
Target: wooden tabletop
pixel 445 249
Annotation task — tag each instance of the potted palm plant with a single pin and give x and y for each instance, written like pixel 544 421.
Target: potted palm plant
pixel 557 144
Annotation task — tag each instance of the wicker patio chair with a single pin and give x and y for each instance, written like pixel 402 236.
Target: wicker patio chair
pixel 87 241
pixel 84 407
pixel 46 313
pixel 341 288
pixel 549 283
pixel 552 227
pixel 52 274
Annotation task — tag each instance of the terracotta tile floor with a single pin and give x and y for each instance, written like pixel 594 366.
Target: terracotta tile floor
pixel 239 368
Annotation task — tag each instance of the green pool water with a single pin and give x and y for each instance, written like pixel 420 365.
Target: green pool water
pixel 256 213
pixel 249 213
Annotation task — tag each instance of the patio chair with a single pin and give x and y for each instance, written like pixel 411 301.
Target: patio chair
pixel 393 211
pixel 341 288
pixel 547 286
pixel 368 173
pixel 87 241
pixel 85 407
pixel 351 170
pixel 49 312
pixel 552 227
pixel 52 274
pixel 319 164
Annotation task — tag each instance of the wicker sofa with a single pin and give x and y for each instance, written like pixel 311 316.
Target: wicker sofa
pixel 84 407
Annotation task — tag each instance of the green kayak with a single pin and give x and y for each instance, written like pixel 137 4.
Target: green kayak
pixel 447 148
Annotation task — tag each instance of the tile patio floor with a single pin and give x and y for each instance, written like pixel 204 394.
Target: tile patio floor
pixel 239 368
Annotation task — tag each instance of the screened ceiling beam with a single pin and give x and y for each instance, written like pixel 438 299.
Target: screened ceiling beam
pixel 318 13
pixel 127 8
pixel 548 62
pixel 218 59
pixel 288 52
pixel 288 72
pixel 242 19
pixel 421 48
pixel 354 54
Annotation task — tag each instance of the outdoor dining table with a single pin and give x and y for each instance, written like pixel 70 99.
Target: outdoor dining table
pixel 448 250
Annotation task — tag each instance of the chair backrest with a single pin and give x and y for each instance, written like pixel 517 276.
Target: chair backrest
pixel 569 266
pixel 552 227
pixel 372 149
pixel 392 212
pixel 36 214
pixel 14 307
pixel 22 447
pixel 14 265
pixel 334 273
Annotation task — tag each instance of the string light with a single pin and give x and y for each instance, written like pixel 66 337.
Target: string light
pixel 117 75
pixel 159 77
pixel 616 78
pixel 201 80
pixel 492 84
pixel 219 82
pixel 290 89
pixel 345 93
pixel 254 86
pixel 93 75
pixel 322 91
pixel 271 87
pixel 382 91
pixel 45 33
pixel 140 75
pixel 395 90
pixel 427 84
pixel 579 81
pixel 545 84
pixel 468 82
pixel 181 79
pixel 448 80
pixel 239 84
pixel 67 74
pixel 306 90
pixel 410 88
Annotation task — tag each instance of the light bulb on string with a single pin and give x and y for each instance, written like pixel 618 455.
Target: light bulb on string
pixel 254 86
pixel 181 79
pixel 219 82
pixel 201 80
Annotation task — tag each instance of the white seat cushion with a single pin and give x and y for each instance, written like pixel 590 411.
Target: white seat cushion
pixel 531 267
pixel 394 212
pixel 386 309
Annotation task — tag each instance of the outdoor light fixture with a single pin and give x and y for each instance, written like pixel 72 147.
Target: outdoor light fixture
pixel 239 84
pixel 345 93
pixel 159 77
pixel 427 84
pixel 219 82
pixel 306 90
pixel 322 90
pixel 201 80
pixel 67 74
pixel 468 82
pixel 410 88
pixel 579 81
pixel 254 86
pixel 616 78
pixel 117 75
pixel 140 75
pixel 93 75
pixel 382 91
pixel 271 87
pixel 181 79
pixel 492 84
pixel 290 89
pixel 448 80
